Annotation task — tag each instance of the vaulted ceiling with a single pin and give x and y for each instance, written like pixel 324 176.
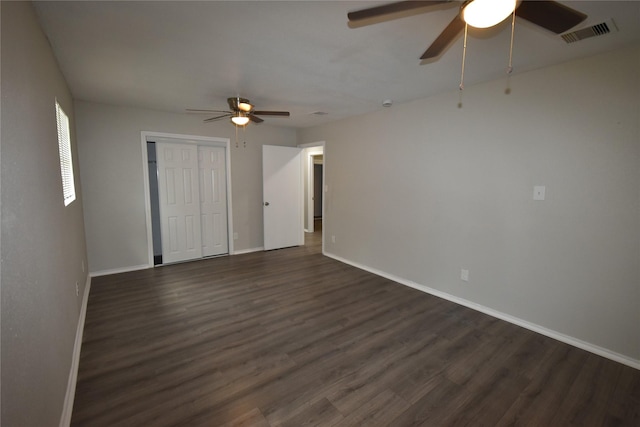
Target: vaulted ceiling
pixel 299 56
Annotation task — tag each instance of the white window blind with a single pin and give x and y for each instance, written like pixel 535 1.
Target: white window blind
pixel 66 162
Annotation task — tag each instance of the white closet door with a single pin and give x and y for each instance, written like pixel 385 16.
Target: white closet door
pixel 213 200
pixel 179 193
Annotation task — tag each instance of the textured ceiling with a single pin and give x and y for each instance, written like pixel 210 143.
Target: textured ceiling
pixel 299 56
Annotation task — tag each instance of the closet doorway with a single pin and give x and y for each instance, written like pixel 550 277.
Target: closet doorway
pixel 188 197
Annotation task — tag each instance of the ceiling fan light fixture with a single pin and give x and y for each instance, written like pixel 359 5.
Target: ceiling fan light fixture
pixel 240 119
pixel 244 106
pixel 487 13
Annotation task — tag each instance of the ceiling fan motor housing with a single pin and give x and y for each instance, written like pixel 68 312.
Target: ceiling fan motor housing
pixel 240 104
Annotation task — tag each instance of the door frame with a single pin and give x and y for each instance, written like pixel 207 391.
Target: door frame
pixel 150 136
pixel 312 189
pixel 315 149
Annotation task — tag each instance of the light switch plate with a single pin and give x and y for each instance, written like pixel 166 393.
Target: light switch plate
pixel 538 192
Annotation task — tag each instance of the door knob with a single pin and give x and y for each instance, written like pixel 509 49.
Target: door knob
pixel 266 203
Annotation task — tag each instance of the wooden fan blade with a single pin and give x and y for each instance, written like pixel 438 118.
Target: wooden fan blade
pixel 192 110
pixel 255 119
pixel 387 9
pixel 212 119
pixel 445 39
pixel 272 113
pixel 551 15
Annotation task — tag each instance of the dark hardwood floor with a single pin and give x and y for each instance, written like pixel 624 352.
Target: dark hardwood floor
pixel 292 338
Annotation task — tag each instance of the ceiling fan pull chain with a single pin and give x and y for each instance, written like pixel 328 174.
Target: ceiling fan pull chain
pixel 244 137
pixel 464 56
pixel 510 66
pixel 236 136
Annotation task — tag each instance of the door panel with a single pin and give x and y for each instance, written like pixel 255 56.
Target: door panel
pixel 282 196
pixel 213 200
pixel 179 201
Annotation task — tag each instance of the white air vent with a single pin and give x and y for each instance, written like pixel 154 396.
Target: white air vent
pixel 595 30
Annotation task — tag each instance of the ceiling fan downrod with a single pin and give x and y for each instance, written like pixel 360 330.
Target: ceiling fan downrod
pixel 510 66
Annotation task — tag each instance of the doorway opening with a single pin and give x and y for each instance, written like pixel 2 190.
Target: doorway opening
pixel 315 190
pixel 152 163
pixel 316 199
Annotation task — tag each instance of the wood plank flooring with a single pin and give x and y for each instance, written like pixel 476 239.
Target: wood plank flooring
pixel 292 338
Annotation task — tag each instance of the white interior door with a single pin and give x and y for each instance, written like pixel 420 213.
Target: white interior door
pixel 178 189
pixel 282 196
pixel 213 200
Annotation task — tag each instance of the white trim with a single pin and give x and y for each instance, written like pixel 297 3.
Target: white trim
pixel 67 409
pixel 592 348
pixel 120 270
pixel 147 196
pixel 188 139
pixel 312 144
pixel 301 197
pixel 230 230
pixel 310 191
pixel 247 251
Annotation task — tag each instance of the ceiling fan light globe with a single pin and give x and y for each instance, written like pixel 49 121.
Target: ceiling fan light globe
pixel 245 106
pixel 239 120
pixel 487 13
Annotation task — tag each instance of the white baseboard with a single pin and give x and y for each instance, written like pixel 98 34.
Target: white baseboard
pixel 119 270
pixel 247 251
pixel 67 410
pixel 145 266
pixel 592 348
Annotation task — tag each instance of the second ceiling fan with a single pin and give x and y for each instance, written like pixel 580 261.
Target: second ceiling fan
pixel 551 15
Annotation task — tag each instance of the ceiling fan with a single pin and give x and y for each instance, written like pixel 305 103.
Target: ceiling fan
pixel 241 112
pixel 550 15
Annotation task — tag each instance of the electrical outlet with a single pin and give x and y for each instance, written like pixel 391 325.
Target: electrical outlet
pixel 77 289
pixel 538 192
pixel 235 236
pixel 464 275
pixel 333 239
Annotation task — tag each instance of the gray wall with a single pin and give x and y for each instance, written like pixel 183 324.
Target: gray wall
pixel 422 190
pixel 110 152
pixel 43 247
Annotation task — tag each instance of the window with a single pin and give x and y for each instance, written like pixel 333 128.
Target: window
pixel 66 162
